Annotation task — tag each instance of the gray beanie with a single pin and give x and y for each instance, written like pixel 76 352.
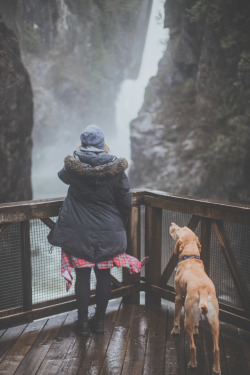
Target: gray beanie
pixel 92 136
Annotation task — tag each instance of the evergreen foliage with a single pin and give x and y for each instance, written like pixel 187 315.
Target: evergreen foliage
pixel 31 39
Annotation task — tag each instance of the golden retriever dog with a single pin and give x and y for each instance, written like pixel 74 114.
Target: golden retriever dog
pixel 195 290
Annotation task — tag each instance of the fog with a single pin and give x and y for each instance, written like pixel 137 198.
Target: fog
pixel 48 161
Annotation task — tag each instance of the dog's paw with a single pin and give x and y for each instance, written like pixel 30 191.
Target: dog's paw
pixel 216 372
pixel 176 330
pixel 192 364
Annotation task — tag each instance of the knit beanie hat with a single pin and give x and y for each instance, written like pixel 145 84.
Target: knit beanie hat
pixel 92 136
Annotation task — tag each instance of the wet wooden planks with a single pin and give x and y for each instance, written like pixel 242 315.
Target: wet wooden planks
pixel 137 341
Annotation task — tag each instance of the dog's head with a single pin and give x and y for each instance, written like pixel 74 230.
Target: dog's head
pixel 185 239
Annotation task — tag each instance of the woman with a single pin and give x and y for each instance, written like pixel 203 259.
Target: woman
pixel 91 224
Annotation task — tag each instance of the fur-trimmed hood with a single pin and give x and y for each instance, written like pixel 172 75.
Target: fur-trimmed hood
pixel 113 168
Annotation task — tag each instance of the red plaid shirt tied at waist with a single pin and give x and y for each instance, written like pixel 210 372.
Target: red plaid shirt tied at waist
pixel 68 261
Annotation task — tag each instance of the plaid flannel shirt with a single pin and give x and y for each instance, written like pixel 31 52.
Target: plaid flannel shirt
pixel 68 261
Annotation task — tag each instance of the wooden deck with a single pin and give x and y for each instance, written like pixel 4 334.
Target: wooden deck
pixel 137 340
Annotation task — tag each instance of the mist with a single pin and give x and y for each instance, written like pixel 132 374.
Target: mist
pixel 64 122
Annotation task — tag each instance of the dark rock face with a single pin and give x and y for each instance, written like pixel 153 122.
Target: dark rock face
pixel 77 54
pixel 192 134
pixel 16 121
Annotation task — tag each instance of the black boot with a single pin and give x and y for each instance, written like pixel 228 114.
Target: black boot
pixel 81 326
pixel 97 324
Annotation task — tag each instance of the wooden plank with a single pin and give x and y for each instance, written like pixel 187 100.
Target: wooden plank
pixel 169 269
pixel 193 222
pixel 21 347
pixel 153 244
pixel 135 354
pixel 37 314
pixel 26 210
pixel 116 282
pixel 201 353
pixel 205 243
pixel 167 293
pixel 45 311
pixel 208 343
pixel 75 356
pixel 26 265
pixel 39 349
pixel 232 264
pixel 232 310
pixel 37 209
pixel 237 363
pixel 175 353
pixel 97 356
pixel 133 248
pixel 245 341
pixel 94 358
pixel 115 354
pixel 8 312
pixel 62 343
pixel 47 221
pixel 81 356
pixel 155 351
pixel 225 211
pixel 8 338
pixel 237 320
pixel 55 301
pixel 23 211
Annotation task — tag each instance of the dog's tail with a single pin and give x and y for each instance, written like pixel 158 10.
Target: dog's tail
pixel 203 302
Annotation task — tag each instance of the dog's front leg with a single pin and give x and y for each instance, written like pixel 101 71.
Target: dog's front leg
pixel 177 314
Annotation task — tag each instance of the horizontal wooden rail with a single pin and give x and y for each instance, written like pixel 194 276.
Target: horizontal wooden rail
pixel 236 213
pixel 44 208
pixel 28 210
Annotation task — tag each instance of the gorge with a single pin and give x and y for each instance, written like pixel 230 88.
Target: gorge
pixel 191 135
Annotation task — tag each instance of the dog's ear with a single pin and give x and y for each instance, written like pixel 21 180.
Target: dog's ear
pixel 178 247
pixel 198 244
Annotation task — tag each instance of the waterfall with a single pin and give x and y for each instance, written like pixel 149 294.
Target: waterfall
pixel 131 95
pixel 60 86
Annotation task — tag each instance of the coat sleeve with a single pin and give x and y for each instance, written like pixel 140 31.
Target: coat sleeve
pixel 124 197
pixel 64 175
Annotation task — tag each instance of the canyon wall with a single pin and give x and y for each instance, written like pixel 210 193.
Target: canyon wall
pixel 192 134
pixel 16 120
pixel 77 54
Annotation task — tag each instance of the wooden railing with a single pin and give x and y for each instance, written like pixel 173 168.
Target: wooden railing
pixel 148 229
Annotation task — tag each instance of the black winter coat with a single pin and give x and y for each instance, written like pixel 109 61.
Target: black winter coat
pixel 91 223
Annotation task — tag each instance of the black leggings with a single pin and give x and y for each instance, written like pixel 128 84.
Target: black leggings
pixel 82 290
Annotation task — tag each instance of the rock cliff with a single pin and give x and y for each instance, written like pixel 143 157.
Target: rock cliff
pixel 16 121
pixel 192 133
pixel 77 54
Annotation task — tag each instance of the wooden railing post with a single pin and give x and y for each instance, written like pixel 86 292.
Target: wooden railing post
pixel 153 245
pixel 26 265
pixel 133 248
pixel 205 243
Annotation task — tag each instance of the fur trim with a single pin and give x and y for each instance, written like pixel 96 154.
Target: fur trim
pixel 102 171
